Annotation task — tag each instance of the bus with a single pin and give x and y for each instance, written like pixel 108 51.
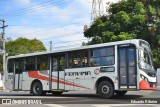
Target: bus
pixel 107 68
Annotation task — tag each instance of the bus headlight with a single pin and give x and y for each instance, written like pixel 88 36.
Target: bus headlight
pixel 143 77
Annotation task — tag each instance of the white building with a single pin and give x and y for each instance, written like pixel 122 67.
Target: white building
pixel 1 82
pixel 158 75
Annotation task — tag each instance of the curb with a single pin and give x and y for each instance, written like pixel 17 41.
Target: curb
pixel 1 88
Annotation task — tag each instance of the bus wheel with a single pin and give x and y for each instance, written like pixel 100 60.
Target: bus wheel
pixel 105 89
pixel 57 93
pixel 120 93
pixel 37 88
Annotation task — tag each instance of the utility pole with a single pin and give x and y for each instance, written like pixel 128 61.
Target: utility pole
pixel 50 45
pixel 3 40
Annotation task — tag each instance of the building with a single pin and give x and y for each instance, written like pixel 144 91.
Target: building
pixel 158 75
pixel 1 81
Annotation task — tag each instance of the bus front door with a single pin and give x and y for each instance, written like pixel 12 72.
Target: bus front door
pixel 58 72
pixel 127 67
pixel 18 68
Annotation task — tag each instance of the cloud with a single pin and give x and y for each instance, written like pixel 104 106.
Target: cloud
pixel 62 36
pixel 67 23
pixel 22 2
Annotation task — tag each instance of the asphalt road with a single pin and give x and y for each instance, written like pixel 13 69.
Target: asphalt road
pixel 86 99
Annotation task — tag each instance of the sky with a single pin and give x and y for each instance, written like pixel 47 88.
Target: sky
pixel 59 21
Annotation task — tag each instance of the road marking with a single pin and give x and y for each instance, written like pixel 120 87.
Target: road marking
pixel 54 105
pixel 39 97
pixel 122 105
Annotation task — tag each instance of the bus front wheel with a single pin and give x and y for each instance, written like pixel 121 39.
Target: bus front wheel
pixel 105 89
pixel 37 88
pixel 120 93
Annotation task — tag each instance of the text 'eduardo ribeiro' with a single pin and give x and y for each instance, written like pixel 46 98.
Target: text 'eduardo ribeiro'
pixel 145 101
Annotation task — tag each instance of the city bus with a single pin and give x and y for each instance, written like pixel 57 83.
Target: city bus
pixel 107 69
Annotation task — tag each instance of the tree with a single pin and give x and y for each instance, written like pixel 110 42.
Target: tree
pixel 129 19
pixel 22 46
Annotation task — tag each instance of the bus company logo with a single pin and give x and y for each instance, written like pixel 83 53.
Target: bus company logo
pixel 96 71
pixel 83 73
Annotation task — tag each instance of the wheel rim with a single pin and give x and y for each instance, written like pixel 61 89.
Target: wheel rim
pixel 105 89
pixel 36 89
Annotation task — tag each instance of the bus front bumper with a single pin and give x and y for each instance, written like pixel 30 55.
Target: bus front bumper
pixel 144 85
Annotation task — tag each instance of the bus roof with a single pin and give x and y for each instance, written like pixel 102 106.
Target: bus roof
pixel 79 48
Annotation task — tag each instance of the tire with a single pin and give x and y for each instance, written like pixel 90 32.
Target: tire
pixel 105 89
pixel 120 93
pixel 37 89
pixel 57 93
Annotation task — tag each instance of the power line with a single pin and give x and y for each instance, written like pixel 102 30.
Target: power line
pixel 56 15
pixel 51 43
pixel 59 27
pixel 30 9
pixel 69 41
pixel 51 28
pixel 18 13
pixel 65 41
pixel 47 25
pixel 59 36
pixel 67 45
pixel 22 9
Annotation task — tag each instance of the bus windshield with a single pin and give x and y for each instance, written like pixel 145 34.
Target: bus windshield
pixel 146 59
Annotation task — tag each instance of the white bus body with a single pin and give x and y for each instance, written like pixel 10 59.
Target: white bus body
pixel 107 68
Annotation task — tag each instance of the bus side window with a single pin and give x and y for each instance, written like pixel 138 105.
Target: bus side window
pixel 10 66
pixel 78 59
pixel 74 59
pixel 102 56
pixel 42 63
pixel 55 64
pixel 84 59
pixel 61 62
pixel 30 63
pixel 19 66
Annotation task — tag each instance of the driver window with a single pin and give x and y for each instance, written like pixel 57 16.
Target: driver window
pixel 146 57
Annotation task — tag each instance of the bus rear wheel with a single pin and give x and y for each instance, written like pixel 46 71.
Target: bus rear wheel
pixel 120 93
pixel 37 89
pixel 105 89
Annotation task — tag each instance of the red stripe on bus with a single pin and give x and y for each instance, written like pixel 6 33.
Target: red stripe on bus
pixel 35 74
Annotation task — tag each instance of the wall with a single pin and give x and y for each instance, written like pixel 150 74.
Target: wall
pixel 158 75
pixel 1 83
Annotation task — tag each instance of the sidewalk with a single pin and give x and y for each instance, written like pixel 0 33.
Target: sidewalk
pixel 158 87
